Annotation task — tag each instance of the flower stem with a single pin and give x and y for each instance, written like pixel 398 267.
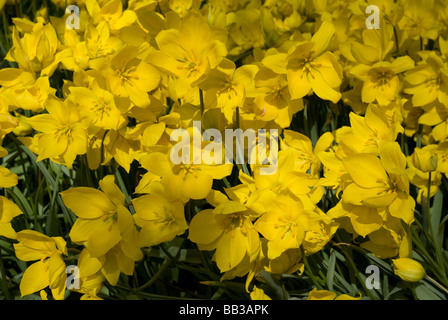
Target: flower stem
pixel 309 271
pixel 201 100
pixel 436 283
pixel 240 151
pixel 396 41
pixel 439 255
pixel 3 281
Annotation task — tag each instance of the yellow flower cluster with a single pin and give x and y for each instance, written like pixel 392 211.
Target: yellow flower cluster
pixel 134 75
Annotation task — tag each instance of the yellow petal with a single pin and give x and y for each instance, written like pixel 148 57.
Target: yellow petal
pixel 110 268
pixel 148 77
pixel 197 187
pixel 392 159
pixel 6 230
pixel 103 238
pixel 231 249
pixel 276 62
pixel 8 210
pixel 229 207
pixel 89 265
pixel 329 69
pixel 365 220
pixel 50 147
pixel 321 295
pixel 323 37
pixel 113 193
pixel 288 241
pixel 364 54
pixel 35 278
pixel 58 276
pixel 152 134
pixel 168 43
pixel 322 88
pixel 366 170
pixel 43 123
pixel 157 163
pixel 87 203
pixel 299 85
pixel 402 64
pixel 204 227
pixel 403 207
pixel 33 245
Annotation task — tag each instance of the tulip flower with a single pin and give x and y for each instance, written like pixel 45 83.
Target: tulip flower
pixel 408 269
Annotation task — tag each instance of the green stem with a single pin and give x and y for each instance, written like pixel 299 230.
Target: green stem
pixel 201 100
pixel 226 182
pixel 428 257
pixel 397 48
pixel 36 205
pixel 308 269
pixel 428 203
pixel 436 283
pixel 3 281
pixel 160 272
pixel 419 137
pixel 239 150
pixel 356 272
pixel 5 28
pixel 431 230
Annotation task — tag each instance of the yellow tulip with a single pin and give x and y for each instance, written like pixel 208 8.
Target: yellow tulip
pixel 49 270
pixel 190 51
pixel 425 159
pixel 310 67
pixel 408 269
pixel 38 50
pixel 228 228
pixel 380 182
pixel 62 136
pixel 161 220
pixel 103 220
pixel 284 225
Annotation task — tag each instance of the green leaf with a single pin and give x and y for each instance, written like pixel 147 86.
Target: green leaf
pixel 122 186
pixel 393 292
pixel 40 165
pixel 29 297
pixel 331 270
pixel 70 217
pixel 21 201
pixel 436 216
pixel 380 263
pixel 425 291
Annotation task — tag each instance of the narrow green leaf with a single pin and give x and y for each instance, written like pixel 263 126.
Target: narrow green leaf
pixel 331 270
pixel 424 291
pixel 21 201
pixel 436 216
pixel 122 186
pixel 40 165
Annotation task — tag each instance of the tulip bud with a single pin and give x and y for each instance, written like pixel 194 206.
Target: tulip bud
pixel 425 159
pixel 408 269
pixel 23 128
